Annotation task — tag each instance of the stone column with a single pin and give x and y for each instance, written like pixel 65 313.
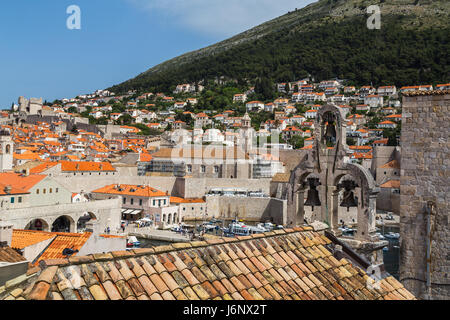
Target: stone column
pixel 323 196
pixel 361 231
pixel 291 209
pixel 300 207
pixel 334 220
pixel 366 217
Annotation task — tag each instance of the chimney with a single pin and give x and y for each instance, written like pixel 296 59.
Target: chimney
pixel 7 189
pixel 6 232
pixel 93 226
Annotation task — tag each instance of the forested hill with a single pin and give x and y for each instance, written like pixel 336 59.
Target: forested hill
pixel 326 39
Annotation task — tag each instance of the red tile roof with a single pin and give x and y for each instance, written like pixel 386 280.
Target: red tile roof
pixel 131 190
pixel 20 181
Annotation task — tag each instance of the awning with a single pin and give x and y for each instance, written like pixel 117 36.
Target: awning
pixel 131 211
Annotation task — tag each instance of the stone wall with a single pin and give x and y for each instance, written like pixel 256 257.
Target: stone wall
pixel 388 201
pixel 247 209
pixel 88 184
pixel 425 176
pixel 197 187
pixel 186 188
pixel 107 212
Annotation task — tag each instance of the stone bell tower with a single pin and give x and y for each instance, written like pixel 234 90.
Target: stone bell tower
pixel 326 174
pixel 6 151
pixel 247 133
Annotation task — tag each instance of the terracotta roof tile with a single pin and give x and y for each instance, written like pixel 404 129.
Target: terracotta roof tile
pixel 290 265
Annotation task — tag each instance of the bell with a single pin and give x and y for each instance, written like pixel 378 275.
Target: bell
pixel 313 195
pixel 348 200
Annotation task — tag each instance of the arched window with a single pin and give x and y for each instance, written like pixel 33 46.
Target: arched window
pixel 45 191
pixel 37 191
pixel 51 190
pixel 8 149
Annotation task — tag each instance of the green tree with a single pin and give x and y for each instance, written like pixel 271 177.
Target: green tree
pixel 297 142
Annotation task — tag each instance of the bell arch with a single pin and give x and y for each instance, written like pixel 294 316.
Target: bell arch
pixel 328 163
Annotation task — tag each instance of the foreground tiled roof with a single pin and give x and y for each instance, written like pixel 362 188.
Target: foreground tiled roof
pixel 285 264
pixel 7 254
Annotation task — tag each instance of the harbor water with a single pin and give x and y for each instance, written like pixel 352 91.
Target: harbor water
pixel 392 255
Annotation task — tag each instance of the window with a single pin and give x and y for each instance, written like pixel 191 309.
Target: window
pixel 124 200
pixel 140 202
pixel 154 202
pixel 132 201
pixel 45 191
pixel 56 190
pixel 203 169
pixel 20 199
pixel 216 169
pixel 164 202
pixel 37 191
pixel 12 199
pixel 51 190
pixel 189 168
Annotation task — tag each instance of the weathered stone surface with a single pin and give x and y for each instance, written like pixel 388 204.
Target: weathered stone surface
pixel 425 177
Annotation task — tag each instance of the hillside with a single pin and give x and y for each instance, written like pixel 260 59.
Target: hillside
pixel 326 39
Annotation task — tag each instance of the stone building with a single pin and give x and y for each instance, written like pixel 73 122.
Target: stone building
pixel 425 194
pixel 201 162
pixel 30 107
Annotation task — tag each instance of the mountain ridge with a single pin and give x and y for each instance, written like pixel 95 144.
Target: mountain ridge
pixel 407 14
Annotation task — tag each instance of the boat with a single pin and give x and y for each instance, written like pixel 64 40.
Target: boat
pixel 240 229
pixel 347 230
pixel 179 228
pixel 392 235
pixel 380 236
pixel 133 242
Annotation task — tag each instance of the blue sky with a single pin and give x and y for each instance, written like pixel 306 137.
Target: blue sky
pixel 40 57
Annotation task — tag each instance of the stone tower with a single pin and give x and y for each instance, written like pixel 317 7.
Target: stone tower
pixel 425 194
pixel 6 151
pixel 30 107
pixel 247 133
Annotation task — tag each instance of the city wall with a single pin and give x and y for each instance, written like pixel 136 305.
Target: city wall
pixel 247 209
pixel 425 177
